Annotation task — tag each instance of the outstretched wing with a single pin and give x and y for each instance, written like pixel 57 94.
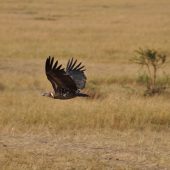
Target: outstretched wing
pixel 76 72
pixel 57 76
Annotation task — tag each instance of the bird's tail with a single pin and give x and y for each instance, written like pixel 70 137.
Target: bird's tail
pixel 82 95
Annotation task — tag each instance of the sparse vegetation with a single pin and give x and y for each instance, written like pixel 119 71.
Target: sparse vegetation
pixel 151 61
pixel 117 128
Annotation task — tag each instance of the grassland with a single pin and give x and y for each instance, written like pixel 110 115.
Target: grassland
pixel 117 128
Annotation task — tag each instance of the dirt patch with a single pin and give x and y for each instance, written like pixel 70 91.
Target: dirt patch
pixel 120 150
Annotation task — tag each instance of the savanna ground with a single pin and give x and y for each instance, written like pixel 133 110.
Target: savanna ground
pixel 117 128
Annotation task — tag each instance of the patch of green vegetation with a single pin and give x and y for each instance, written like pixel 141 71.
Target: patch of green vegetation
pixel 151 61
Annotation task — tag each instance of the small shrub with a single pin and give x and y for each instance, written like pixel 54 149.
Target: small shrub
pixel 151 61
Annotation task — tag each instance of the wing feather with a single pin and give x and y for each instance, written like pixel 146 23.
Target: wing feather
pixel 76 72
pixel 55 65
pixel 72 66
pixel 57 76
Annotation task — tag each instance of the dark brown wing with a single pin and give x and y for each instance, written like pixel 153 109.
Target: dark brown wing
pixel 76 72
pixel 57 76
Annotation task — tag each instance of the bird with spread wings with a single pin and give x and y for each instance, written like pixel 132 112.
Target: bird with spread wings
pixel 67 82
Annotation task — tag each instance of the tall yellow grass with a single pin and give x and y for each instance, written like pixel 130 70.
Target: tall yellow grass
pixel 116 102
pixel 102 34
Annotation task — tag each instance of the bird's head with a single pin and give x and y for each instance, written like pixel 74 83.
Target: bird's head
pixel 48 94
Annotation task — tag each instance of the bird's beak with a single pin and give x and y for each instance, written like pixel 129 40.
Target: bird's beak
pixel 52 94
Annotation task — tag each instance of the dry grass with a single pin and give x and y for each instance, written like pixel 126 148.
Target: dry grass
pixel 100 30
pixel 115 103
pixel 102 34
pixel 128 150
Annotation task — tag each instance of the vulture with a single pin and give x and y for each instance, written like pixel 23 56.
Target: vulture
pixel 66 82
